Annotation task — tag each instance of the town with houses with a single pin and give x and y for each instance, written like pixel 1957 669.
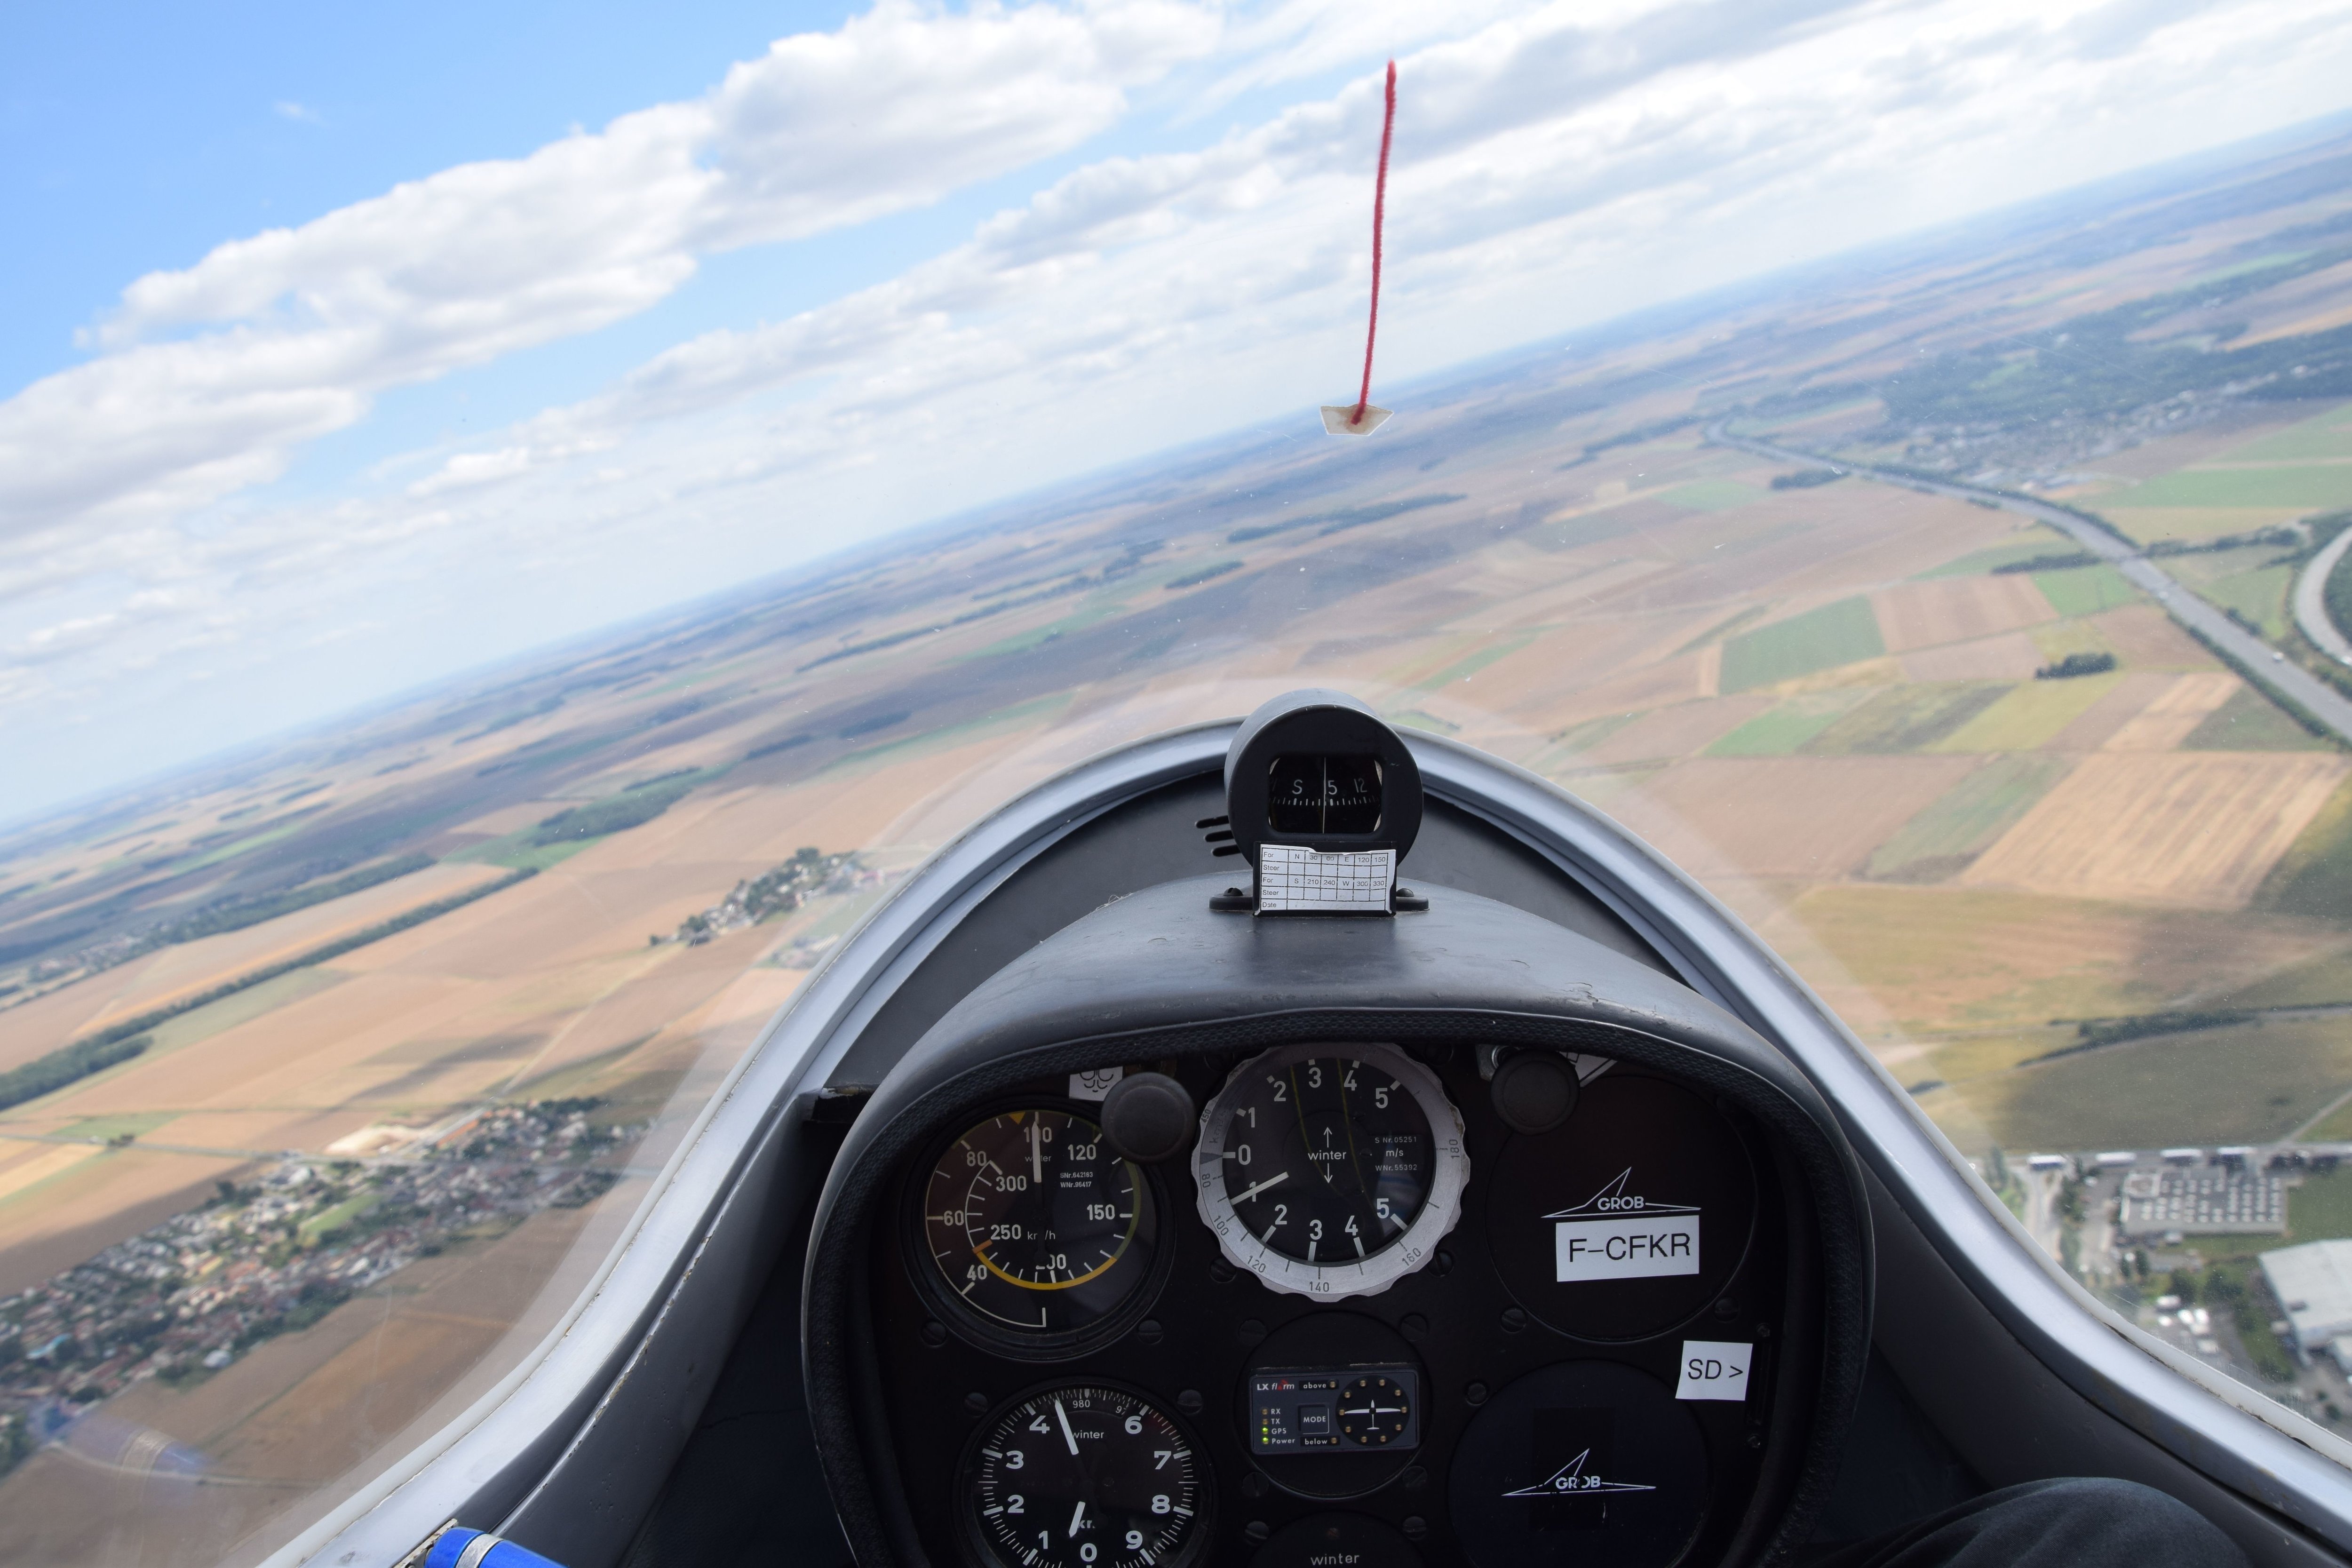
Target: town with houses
pixel 278 1252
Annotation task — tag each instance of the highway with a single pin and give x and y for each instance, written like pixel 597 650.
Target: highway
pixel 2311 600
pixel 2254 656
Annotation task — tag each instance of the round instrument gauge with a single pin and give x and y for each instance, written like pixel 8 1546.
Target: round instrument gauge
pixel 1084 1474
pixel 1330 1170
pixel 1031 1223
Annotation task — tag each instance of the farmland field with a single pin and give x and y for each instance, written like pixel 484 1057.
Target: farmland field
pixel 1843 633
pixel 2192 827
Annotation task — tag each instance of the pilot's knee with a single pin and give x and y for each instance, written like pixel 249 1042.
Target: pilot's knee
pixel 2091 1523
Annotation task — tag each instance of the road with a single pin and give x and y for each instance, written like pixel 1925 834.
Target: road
pixel 2256 657
pixel 2311 600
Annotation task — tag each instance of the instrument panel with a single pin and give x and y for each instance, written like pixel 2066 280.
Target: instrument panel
pixel 1382 1327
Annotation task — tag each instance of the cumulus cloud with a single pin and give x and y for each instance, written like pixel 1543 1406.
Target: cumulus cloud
pixel 297 329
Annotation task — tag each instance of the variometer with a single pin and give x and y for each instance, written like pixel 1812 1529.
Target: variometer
pixel 1330 1170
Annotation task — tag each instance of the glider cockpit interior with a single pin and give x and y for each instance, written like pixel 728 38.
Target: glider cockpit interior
pixel 1291 1142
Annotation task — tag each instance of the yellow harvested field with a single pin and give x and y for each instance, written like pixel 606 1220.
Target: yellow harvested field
pixel 2198 828
pixel 2030 717
pixel 1956 609
pixel 31 1162
pixel 2148 524
pixel 1816 818
pixel 2164 723
pixel 2012 656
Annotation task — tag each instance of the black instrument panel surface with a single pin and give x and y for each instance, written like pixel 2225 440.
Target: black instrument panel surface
pixel 1518 1339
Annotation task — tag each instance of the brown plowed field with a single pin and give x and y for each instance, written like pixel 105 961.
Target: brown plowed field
pixel 2012 656
pixel 1956 609
pixel 2144 637
pixel 2197 828
pixel 2122 703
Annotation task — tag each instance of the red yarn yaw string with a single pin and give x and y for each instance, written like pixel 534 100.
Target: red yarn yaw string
pixel 1380 206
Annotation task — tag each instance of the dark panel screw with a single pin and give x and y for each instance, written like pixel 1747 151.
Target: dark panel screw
pixel 1727 1308
pixel 1189 1402
pixel 1256 1530
pixel 1149 1332
pixel 1755 1439
pixel 1251 1331
pixel 1254 1485
pixel 1476 1393
pixel 1763 1330
pixel 1443 1264
pixel 1221 1272
pixel 935 1334
pixel 1514 1320
pixel 1414 1326
pixel 1415 1527
pixel 1415 1478
pixel 976 1403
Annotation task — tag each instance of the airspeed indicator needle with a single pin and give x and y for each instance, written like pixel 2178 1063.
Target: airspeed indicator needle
pixel 1067 1435
pixel 1249 1192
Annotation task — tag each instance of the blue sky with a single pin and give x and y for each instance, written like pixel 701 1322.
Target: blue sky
pixel 350 351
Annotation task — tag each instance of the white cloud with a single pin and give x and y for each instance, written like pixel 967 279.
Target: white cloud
pixel 297 330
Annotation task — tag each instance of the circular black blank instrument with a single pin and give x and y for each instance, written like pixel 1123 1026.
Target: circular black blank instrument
pixel 1629 1217
pixel 1586 1463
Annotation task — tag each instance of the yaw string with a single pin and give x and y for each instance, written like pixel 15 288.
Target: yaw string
pixel 1379 211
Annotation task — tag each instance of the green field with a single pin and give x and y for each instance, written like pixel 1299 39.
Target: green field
pixel 2328 436
pixel 2260 595
pixel 2313 485
pixel 2250 721
pixel 2028 715
pixel 2040 541
pixel 1845 632
pixel 2085 590
pixel 1903 719
pixel 2314 875
pixel 1711 495
pixel 1962 823
pixel 1784 729
pixel 2246 1085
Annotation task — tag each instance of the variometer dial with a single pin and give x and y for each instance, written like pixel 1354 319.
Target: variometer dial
pixel 1033 1223
pixel 1086 1476
pixel 1330 1170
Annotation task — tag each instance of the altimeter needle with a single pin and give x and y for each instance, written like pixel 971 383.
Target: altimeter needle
pixel 1067 1435
pixel 1249 1192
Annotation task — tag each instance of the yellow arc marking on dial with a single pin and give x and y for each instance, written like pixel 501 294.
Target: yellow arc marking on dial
pixel 989 1263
